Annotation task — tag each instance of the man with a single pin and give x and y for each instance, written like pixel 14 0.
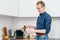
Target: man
pixel 43 22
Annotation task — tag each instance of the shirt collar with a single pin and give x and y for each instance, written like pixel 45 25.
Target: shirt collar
pixel 43 13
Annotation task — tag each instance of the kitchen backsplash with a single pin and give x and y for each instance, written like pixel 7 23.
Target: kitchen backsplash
pixel 54 33
pixel 18 23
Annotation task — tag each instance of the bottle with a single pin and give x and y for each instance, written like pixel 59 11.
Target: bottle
pixel 24 28
pixel 25 32
pixel 28 37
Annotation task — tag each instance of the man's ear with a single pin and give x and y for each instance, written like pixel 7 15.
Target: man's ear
pixel 44 8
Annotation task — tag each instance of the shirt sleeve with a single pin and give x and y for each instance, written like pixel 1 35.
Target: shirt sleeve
pixel 48 21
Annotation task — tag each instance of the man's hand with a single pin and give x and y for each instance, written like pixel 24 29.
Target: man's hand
pixel 32 31
pixel 31 26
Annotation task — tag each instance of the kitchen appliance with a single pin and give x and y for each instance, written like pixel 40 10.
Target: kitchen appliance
pixel 19 34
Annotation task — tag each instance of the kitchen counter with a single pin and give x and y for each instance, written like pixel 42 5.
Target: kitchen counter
pixel 35 39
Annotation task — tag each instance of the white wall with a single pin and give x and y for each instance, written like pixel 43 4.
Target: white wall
pixel 54 33
pixel 5 22
pixel 18 23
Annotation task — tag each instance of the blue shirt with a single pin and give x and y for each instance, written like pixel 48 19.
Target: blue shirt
pixel 44 22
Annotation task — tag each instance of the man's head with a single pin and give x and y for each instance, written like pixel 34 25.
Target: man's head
pixel 40 6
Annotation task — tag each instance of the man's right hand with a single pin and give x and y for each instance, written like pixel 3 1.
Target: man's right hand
pixel 31 26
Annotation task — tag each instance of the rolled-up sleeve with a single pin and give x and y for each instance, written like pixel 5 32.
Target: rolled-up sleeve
pixel 48 21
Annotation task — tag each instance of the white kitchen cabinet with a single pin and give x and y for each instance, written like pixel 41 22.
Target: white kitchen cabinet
pixel 9 7
pixel 27 8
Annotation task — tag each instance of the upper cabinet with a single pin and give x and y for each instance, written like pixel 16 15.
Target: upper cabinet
pixel 27 8
pixel 9 7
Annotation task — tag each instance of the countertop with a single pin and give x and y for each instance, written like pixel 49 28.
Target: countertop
pixel 23 39
pixel 35 39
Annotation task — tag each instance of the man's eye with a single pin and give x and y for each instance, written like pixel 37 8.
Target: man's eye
pixel 38 8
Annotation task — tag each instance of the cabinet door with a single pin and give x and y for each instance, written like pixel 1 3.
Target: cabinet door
pixel 27 8
pixel 9 7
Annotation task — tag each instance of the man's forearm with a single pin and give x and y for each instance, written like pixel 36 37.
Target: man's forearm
pixel 34 27
pixel 41 31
